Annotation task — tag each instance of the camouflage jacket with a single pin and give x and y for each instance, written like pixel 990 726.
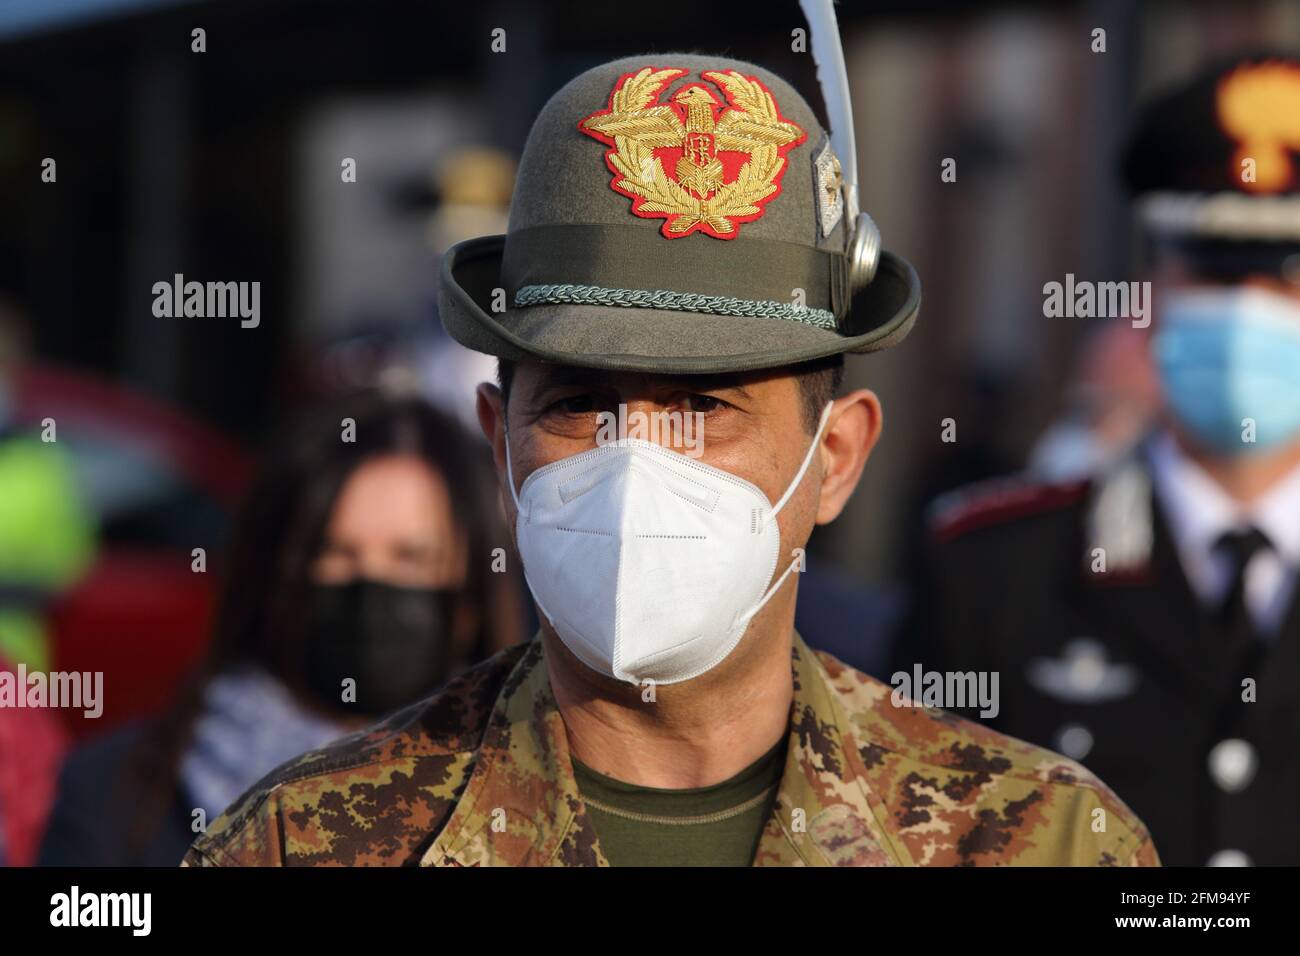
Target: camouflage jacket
pixel 479 774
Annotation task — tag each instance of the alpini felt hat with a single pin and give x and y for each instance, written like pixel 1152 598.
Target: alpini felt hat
pixel 677 213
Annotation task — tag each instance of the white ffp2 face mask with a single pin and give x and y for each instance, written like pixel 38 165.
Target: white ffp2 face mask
pixel 649 565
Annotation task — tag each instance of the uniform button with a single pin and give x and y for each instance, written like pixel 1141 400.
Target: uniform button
pixel 1087 665
pixel 1229 858
pixel 1074 740
pixel 1232 764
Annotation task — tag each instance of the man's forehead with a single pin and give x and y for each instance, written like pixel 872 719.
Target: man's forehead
pixel 1231 262
pixel 547 375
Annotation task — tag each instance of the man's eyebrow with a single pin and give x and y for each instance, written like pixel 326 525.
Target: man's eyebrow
pixel 560 376
pixel 716 383
pixel 712 382
pixel 556 376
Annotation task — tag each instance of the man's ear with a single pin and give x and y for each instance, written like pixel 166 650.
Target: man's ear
pixel 490 406
pixel 851 432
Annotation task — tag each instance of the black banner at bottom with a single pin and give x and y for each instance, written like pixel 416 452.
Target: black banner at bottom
pixel 338 907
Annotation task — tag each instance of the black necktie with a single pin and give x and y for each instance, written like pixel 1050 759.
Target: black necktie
pixel 1235 624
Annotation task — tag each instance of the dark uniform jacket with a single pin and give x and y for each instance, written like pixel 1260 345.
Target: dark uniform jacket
pixel 1122 668
pixel 97 812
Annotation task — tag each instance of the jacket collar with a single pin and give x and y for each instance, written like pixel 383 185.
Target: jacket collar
pixel 521 805
pixel 826 813
pixel 1119 519
pixel 521 800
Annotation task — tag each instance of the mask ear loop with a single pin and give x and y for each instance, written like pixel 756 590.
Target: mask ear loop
pixel 789 491
pixel 510 472
pixel 510 480
pixel 807 460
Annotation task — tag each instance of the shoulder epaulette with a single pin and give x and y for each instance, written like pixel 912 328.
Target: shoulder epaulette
pixel 1000 500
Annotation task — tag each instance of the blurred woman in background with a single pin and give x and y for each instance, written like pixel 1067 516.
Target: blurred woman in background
pixel 361 577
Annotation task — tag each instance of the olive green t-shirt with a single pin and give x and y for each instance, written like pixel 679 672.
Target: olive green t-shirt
pixel 719 825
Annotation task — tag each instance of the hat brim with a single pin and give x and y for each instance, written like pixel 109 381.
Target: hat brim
pixel 657 340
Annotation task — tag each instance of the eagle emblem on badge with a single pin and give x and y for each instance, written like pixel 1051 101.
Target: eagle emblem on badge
pixel 698 163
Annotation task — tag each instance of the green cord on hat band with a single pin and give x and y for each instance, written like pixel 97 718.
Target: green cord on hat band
pixel 570 294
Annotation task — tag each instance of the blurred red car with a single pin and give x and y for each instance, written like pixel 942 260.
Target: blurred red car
pixel 159 484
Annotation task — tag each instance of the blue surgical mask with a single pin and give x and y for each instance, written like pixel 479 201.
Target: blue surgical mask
pixel 1226 355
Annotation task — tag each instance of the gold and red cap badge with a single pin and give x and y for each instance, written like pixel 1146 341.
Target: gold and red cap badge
pixel 701 159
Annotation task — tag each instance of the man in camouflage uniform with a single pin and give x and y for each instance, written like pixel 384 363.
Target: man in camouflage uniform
pixel 668 210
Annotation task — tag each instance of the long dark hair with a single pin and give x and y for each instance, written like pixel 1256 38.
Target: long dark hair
pixel 277 535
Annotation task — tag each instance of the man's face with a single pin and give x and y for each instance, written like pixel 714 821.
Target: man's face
pixel 1173 273
pixel 751 425
pixel 1226 343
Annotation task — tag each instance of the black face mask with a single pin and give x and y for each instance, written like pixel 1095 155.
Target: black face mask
pixel 395 642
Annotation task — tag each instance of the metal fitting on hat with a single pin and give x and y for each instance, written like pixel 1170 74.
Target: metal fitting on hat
pixel 864 252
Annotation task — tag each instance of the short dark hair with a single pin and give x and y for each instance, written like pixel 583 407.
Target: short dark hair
pixel 819 382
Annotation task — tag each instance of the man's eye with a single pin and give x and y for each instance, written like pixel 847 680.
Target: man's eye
pixel 574 405
pixel 702 403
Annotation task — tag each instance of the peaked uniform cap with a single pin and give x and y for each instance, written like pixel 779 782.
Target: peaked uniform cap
pixel 1213 163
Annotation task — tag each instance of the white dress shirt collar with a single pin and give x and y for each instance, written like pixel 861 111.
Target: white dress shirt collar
pixel 1198 512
